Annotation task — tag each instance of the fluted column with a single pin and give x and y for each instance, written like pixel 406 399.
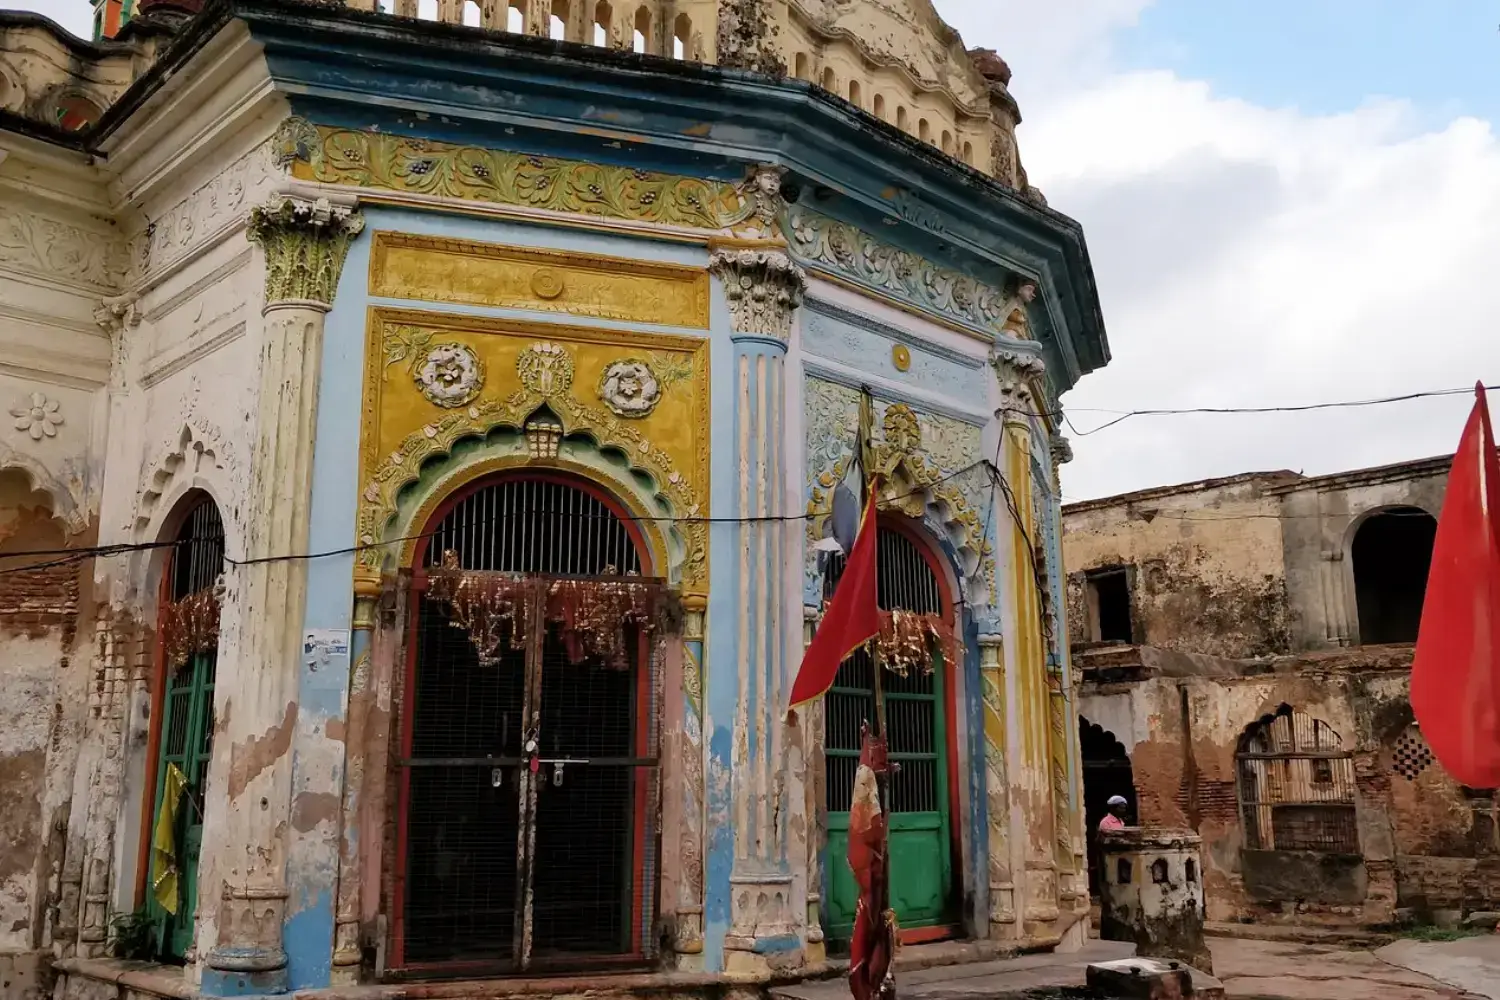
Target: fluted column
pixel 304 247
pixel 763 287
pixel 816 811
pixel 1002 885
pixel 347 953
pixel 688 939
pixel 1028 691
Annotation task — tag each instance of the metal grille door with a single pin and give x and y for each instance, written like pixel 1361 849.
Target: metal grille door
pixel 507 867
pixel 920 823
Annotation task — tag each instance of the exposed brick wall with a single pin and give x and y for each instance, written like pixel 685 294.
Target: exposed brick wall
pixel 35 602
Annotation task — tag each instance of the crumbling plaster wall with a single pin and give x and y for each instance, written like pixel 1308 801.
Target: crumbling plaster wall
pixel 1182 734
pixel 1208 567
pixel 1319 522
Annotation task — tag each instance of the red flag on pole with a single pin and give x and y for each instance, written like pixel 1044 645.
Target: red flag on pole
pixel 1455 677
pixel 853 617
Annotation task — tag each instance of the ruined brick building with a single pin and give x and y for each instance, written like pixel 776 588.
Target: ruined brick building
pixel 460 389
pixel 1244 646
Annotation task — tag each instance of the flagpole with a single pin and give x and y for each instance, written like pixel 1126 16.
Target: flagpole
pixel 870 485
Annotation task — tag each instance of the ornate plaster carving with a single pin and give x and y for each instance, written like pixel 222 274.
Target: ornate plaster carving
pixel 764 289
pixel 115 315
pixel 69 500
pixel 764 202
pixel 1022 378
pixel 921 457
pixel 472 173
pixel 37 416
pixel 851 252
pixel 546 368
pixel 450 375
pixel 210 212
pixel 305 246
pixel 196 454
pixel 630 388
pixel 55 249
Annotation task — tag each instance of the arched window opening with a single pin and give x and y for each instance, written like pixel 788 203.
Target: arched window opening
pixel 603 19
pixel 643 33
pixel 427 10
pixel 924 130
pixel 181 736
pixel 515 20
pixel 1391 554
pixel 471 14
pixel 682 37
pixel 903 121
pixel 880 107
pixel 917 716
pixel 1296 786
pixel 830 81
pixel 803 67
pixel 557 28
pixel 947 143
pixel 856 95
pixel 969 153
pixel 512 661
pixel 1159 873
pixel 1190 867
pixel 1123 874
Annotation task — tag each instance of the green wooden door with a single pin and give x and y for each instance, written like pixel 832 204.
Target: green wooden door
pixel 920 823
pixel 187 739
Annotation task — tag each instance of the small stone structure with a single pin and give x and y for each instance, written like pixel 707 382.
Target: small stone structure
pixel 1151 979
pixel 1152 889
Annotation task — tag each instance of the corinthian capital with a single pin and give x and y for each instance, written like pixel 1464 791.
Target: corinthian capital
pixel 305 244
pixel 1018 372
pixel 764 288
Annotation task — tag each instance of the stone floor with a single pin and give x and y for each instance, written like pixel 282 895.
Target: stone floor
pixel 1468 969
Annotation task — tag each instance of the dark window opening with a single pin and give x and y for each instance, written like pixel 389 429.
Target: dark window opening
pixel 1122 871
pixel 1109 600
pixel 1159 871
pixel 1192 870
pixel 1322 772
pixel 1392 552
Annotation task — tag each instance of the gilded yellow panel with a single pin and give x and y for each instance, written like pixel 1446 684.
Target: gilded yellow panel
pixel 432 379
pixel 434 269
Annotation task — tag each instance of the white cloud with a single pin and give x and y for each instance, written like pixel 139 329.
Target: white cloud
pixel 1256 256
pixel 75 15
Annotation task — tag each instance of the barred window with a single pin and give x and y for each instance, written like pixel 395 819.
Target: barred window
pixel 1296 786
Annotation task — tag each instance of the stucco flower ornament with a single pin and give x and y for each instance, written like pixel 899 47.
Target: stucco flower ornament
pixel 451 376
pixel 38 416
pixel 630 388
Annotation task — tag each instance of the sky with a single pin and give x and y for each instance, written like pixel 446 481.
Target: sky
pixel 1287 202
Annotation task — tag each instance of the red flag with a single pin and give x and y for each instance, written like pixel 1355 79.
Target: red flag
pixel 853 617
pixel 1455 677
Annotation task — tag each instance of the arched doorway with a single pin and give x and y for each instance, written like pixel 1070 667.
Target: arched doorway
pixel 1391 553
pixel 921 792
pixel 180 741
pixel 529 744
pixel 1106 773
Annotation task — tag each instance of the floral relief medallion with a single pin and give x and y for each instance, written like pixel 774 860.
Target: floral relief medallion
pixel 451 375
pixel 903 434
pixel 545 368
pixel 38 416
pixel 630 388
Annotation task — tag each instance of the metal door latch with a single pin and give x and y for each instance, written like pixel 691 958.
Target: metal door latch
pixel 557 774
pixel 497 777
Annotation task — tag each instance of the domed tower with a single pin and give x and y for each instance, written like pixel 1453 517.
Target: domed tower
pixel 112 15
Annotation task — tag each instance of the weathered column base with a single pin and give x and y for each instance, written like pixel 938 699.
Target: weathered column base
pixel 687 939
pixel 1003 923
pixel 762 935
pixel 254 915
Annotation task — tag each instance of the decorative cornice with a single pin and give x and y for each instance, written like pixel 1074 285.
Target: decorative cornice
pixel 305 246
pixel 849 251
pixel 764 288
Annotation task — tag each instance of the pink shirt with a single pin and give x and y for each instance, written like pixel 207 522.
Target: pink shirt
pixel 1111 822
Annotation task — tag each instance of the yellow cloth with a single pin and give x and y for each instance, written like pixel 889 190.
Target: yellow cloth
pixel 164 840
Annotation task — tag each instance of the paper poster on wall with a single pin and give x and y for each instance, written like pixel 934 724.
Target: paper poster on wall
pixel 322 646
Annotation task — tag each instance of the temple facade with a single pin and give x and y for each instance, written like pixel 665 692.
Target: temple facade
pixel 416 501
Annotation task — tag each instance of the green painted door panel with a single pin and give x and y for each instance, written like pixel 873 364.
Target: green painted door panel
pixel 187 741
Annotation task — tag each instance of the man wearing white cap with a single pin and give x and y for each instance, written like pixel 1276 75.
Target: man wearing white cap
pixel 1115 820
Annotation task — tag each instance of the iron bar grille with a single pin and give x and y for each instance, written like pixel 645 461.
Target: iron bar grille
pixel 592 866
pixel 197 561
pixel 1296 787
pixel 905 582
